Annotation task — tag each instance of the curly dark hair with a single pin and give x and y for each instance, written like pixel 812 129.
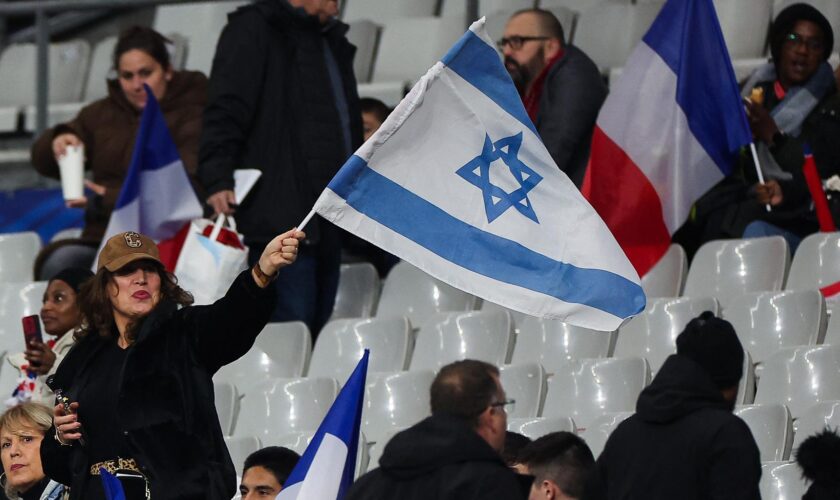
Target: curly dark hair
pixel 95 302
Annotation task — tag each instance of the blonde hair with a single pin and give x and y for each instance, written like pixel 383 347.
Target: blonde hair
pixel 17 418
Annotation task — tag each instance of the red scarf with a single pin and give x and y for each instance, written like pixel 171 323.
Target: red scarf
pixel 532 98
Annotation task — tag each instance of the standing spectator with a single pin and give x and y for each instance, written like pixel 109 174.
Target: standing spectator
pixel 683 441
pixel 560 85
pixel 266 471
pixel 283 100
pixel 561 464
pixel 107 129
pixel 455 453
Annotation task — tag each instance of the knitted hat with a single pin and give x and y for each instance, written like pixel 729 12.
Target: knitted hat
pixel 73 276
pixel 788 17
pixel 712 343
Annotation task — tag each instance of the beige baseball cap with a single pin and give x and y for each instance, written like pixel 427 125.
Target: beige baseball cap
pixel 123 248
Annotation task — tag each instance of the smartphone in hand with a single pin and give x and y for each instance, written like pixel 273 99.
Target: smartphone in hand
pixel 32 330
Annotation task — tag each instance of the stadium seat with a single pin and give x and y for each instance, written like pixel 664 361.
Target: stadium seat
pixel 239 448
pixel 525 384
pixel 516 317
pixel 298 441
pixel 553 342
pixel 200 24
pixel 587 388
pixel 746 387
pixel 800 377
pixel 533 428
pixel 395 401
pixel 227 404
pixel 452 8
pixel 769 321
pixel 375 449
pixel 653 334
pixel 599 431
pixel 832 332
pixel 377 10
pixel 410 292
pixel 365 36
pixel 281 350
pixel 772 428
pixel 781 481
pixel 17 255
pixel 667 277
pixel 608 32
pixel 279 406
pixel 577 5
pixel 725 269
pixel 358 291
pixel 815 419
pixel 341 343
pixel 487 336
pixel 816 264
pixel 744 24
pixel 66 234
pixel 16 301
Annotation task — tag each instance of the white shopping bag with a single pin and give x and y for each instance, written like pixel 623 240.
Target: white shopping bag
pixel 206 266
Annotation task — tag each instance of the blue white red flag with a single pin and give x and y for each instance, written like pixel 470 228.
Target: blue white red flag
pixel 156 198
pixel 669 130
pixel 325 470
pixel 458 183
pixel 111 485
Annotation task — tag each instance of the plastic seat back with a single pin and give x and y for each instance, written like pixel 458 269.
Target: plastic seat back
pixel 358 291
pixel 816 264
pixel 278 406
pixel 410 46
pixel 772 428
pixel 486 336
pixel 800 377
pixel 239 448
pixel 288 344
pixel 395 401
pixel 553 342
pixel 226 400
pixel 816 418
pixel 781 481
pixel 536 427
pixel 524 383
pixel 667 277
pixel 602 426
pixel 17 256
pixel 744 24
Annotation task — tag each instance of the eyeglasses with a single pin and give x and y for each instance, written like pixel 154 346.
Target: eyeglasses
pixel 516 42
pixel 795 40
pixel 508 405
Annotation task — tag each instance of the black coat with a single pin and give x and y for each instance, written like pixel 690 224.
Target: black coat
pixel 271 107
pixel 440 458
pixel 682 442
pixel 166 404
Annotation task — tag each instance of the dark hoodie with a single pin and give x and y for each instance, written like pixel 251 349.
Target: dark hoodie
pixel 440 458
pixel 683 442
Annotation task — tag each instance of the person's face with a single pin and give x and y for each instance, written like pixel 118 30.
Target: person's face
pixel 20 452
pixel 324 9
pixel 497 420
pixel 801 54
pixel 134 290
pixel 370 124
pixel 525 62
pixel 59 310
pixel 136 68
pixel 259 482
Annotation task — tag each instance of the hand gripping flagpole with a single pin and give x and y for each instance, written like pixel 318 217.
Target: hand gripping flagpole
pixel 306 220
pixel 757 171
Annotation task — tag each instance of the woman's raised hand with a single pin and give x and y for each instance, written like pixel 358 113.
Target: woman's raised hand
pixel 281 251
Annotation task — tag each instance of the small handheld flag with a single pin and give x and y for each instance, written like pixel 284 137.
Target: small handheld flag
pixel 111 485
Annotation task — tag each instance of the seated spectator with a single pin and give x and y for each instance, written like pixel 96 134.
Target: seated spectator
pixel 265 471
pixel 819 458
pixel 374 113
pixel 561 464
pixel 795 104
pixel 107 129
pixel 683 441
pixel 455 453
pixel 561 87
pixel 61 315
pixel 514 442
pixel 22 428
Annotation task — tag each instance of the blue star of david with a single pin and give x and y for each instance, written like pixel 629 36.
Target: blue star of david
pixel 496 200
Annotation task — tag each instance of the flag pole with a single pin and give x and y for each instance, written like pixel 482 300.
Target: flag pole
pixel 757 171
pixel 305 220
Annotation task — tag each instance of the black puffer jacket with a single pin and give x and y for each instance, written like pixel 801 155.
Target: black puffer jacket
pixel 683 442
pixel 440 458
pixel 166 406
pixel 270 106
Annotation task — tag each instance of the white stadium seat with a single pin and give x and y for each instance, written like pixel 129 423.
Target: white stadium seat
pixel 395 401
pixel 599 430
pixel 298 441
pixel 16 301
pixel 536 427
pixel 486 336
pixel 226 400
pixel 725 269
pixel 744 24
pixel 281 350
pixel 341 343
pixel 358 291
pixel 816 418
pixel 524 383
pixel 17 255
pixel 239 448
pixel 781 481
pixel 816 264
pixel 608 32
pixel 279 406
pixel 772 427
pixel 800 377
pixel 667 277
pixel 376 448
pixel 377 10
pixel 553 342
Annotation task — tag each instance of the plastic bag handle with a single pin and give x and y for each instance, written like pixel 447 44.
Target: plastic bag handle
pixel 220 222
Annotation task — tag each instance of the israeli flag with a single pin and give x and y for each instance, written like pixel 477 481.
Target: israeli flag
pixel 458 183
pixel 325 471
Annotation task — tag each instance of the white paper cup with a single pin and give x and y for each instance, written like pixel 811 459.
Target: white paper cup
pixel 72 169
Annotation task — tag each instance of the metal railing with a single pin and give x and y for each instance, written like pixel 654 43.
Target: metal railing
pixel 40 9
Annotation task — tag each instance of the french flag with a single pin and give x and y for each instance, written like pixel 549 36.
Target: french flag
pixel 669 130
pixel 156 198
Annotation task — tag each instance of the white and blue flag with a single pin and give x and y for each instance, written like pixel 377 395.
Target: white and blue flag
pixel 458 183
pixel 325 470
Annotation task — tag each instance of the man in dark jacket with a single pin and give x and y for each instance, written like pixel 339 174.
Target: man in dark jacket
pixel 282 99
pixel 454 454
pixel 684 442
pixel 561 87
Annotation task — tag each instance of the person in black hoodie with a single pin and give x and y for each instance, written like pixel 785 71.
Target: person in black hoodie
pixel 455 453
pixel 684 442
pixel 819 458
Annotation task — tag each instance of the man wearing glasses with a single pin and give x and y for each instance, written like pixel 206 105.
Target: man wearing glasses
pixel 455 453
pixel 560 86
